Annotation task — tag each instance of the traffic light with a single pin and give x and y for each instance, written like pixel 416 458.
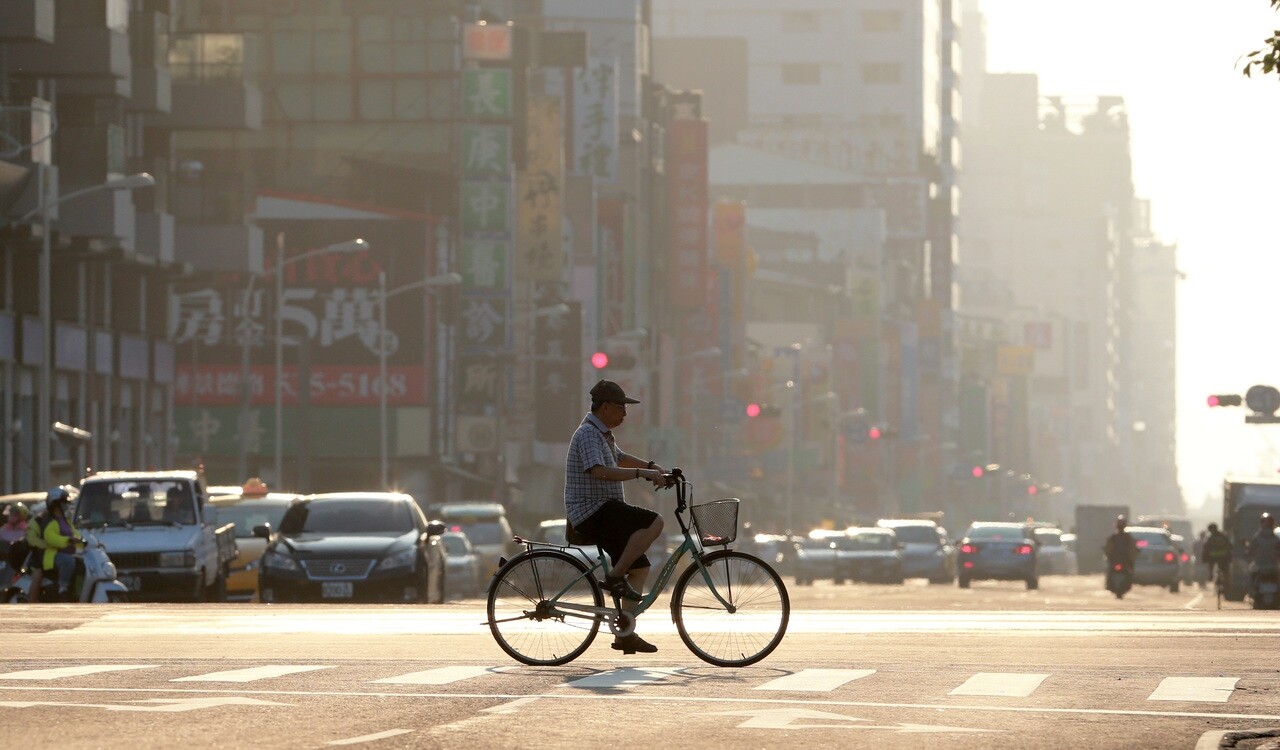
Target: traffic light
pixel 616 361
pixel 874 432
pixel 977 472
pixel 1225 399
pixel 753 410
pixel 1032 489
pixel 763 411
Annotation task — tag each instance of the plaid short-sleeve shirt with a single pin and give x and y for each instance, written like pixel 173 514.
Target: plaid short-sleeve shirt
pixel 583 493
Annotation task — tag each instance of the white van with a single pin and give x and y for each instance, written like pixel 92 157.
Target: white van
pixel 485 525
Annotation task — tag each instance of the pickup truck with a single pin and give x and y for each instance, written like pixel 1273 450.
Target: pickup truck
pixel 161 533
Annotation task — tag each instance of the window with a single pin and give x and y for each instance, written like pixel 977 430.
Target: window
pixel 882 73
pixel 801 22
pixel 881 21
pixel 801 75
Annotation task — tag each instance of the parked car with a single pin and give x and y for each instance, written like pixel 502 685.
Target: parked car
pixel 926 551
pixel 869 554
pixel 1000 551
pixel 462 566
pixel 355 546
pixel 775 549
pixel 1186 562
pixel 248 506
pixel 1054 557
pixel 816 556
pixel 485 524
pixel 1157 563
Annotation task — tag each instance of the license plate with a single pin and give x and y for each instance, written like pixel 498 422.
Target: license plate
pixel 337 589
pixel 132 583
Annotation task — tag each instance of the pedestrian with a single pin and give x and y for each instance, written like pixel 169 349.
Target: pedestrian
pixel 595 468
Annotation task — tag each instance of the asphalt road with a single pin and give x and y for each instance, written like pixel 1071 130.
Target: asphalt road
pixel 994 666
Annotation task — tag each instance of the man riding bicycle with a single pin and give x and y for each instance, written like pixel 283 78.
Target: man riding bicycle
pixel 595 469
pixel 1217 554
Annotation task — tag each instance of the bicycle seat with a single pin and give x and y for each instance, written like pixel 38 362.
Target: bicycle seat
pixel 573 536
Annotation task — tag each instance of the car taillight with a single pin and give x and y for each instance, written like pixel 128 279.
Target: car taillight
pixel 1168 557
pixel 1118 567
pixel 1185 557
pixel 968 563
pixel 968 549
pixel 1024 549
pixel 1142 542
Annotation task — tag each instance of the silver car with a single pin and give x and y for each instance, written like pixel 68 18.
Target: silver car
pixel 816 556
pixel 869 554
pixel 926 553
pixel 461 565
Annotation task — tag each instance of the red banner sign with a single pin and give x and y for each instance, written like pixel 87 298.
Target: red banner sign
pixel 687 182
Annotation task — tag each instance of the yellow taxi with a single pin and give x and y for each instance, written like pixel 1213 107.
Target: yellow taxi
pixel 248 505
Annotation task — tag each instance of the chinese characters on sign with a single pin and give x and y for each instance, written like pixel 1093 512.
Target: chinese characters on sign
pixel 486 93
pixel 687 195
pixel 486 41
pixel 595 120
pixel 539 242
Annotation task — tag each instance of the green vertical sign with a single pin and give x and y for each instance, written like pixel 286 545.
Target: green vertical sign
pixel 486 93
pixel 486 207
pixel 486 151
pixel 483 262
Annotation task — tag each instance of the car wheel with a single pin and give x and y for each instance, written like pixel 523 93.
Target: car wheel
pixel 963 582
pixel 1174 587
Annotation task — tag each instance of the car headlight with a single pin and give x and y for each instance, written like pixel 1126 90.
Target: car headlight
pixel 401 559
pixel 184 559
pixel 279 561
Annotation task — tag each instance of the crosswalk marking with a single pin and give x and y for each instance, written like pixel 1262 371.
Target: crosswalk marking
pixel 441 676
pixel 1200 689
pixel 625 678
pixel 816 680
pixel 249 675
pixel 60 672
pixel 1002 684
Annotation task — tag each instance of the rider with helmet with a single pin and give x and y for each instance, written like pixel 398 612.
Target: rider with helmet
pixel 61 538
pixel 1264 548
pixel 1216 553
pixel 1121 548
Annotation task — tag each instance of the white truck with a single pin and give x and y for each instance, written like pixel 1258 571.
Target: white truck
pixel 160 531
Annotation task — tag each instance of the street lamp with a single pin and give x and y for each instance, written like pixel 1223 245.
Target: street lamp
pixel 351 246
pixel 44 401
pixel 445 279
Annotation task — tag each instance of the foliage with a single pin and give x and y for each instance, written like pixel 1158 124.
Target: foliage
pixel 1267 59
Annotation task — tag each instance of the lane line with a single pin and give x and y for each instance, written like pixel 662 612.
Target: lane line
pixel 1198 689
pixel 58 673
pixel 1001 684
pixel 816 680
pixel 440 676
pixel 512 707
pixel 1195 601
pixel 590 696
pixel 249 674
pixel 370 737
pixel 625 678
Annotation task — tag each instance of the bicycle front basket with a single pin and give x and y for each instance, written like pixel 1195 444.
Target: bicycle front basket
pixel 716 522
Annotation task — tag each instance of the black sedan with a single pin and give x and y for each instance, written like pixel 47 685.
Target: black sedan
pixel 369 546
pixel 1003 551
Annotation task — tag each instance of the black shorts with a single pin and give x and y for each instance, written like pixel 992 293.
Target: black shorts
pixel 613 524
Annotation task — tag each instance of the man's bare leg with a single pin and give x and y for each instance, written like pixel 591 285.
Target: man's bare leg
pixel 636 546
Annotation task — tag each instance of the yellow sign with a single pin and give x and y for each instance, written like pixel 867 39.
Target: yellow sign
pixel 539 190
pixel 1015 360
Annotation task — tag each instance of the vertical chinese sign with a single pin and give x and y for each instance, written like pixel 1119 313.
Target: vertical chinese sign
pixel 687 212
pixel 539 192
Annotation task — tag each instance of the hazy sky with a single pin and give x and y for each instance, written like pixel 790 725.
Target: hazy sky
pixel 1206 151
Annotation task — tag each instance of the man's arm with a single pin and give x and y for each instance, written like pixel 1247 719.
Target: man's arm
pixel 622 474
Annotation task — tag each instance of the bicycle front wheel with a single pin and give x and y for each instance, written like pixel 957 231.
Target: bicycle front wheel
pixel 759 602
pixel 522 613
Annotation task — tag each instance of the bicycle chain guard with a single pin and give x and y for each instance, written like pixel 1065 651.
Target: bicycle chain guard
pixel 622 623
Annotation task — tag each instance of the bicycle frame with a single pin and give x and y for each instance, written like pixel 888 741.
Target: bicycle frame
pixel 688 546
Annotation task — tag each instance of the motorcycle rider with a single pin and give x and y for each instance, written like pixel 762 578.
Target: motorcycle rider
pixel 13 535
pixel 61 538
pixel 1216 553
pixel 37 544
pixel 1121 548
pixel 1264 548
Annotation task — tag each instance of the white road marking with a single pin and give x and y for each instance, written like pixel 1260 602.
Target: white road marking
pixel 56 673
pixel 1199 689
pixel 370 737
pixel 152 705
pixel 441 676
pixel 511 707
pixel 1195 601
pixel 625 678
pixel 816 680
pixel 250 674
pixel 1002 684
pixel 788 718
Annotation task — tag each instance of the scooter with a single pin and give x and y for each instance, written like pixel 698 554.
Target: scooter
pixel 1119 579
pixel 95 580
pixel 1265 591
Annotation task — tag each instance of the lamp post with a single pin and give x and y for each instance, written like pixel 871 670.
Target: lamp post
pixel 44 401
pixel 351 246
pixel 445 279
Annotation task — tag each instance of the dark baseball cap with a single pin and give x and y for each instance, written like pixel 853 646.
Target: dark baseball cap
pixel 611 392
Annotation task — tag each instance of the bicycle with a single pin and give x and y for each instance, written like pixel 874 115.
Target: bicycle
pixel 731 609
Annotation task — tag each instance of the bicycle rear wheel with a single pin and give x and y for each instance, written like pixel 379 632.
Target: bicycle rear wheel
pixel 760 613
pixel 526 624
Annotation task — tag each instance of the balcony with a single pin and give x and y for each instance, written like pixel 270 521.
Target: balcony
pixel 77 52
pixel 212 232
pixel 104 217
pixel 149 49
pixel 213 86
pixel 26 21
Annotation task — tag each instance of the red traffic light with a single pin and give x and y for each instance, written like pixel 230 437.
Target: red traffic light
pixel 753 410
pixel 1032 489
pixel 1225 399
pixel 874 433
pixel 977 472
pixel 599 360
